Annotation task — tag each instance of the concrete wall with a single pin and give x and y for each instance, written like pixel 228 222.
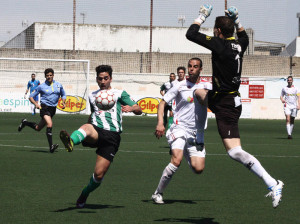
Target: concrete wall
pixel 113 38
pixel 162 63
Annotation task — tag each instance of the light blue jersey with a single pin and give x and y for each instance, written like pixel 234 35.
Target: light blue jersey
pixel 32 85
pixel 50 93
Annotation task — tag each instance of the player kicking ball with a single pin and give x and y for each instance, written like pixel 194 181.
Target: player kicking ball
pixel 102 131
pixel 224 100
pixel 189 119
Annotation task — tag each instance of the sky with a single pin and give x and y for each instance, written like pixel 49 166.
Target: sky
pixel 271 20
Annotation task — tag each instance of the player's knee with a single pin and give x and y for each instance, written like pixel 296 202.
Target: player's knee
pixel 198 171
pixel 99 175
pixel 176 162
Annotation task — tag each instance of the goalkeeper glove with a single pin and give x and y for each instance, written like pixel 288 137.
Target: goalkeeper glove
pixel 204 12
pixel 233 14
pixel 25 96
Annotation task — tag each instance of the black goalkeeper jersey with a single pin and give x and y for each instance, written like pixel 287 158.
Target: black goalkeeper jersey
pixel 227 57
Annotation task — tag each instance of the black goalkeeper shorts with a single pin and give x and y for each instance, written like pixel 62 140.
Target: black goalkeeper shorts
pixel 227 114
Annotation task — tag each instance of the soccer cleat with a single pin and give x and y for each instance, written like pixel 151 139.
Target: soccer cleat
pixel 80 203
pixel 290 137
pixel 53 148
pixel 199 146
pixel 22 125
pixel 67 141
pixel 157 198
pixel 276 193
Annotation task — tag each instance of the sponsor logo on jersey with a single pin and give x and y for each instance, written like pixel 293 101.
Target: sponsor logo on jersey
pixel 149 105
pixel 190 99
pixel 73 104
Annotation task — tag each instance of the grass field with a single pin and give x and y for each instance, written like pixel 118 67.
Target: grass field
pixel 39 187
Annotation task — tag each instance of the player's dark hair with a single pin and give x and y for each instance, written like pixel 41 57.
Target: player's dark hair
pixel 104 68
pixel 290 77
pixel 197 59
pixel 48 70
pixel 32 74
pixel 172 73
pixel 226 25
pixel 181 68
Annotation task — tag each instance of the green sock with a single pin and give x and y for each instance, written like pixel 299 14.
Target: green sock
pixel 170 122
pixel 77 137
pixel 90 187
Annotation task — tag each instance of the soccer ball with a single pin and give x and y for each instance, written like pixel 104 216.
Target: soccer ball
pixel 105 99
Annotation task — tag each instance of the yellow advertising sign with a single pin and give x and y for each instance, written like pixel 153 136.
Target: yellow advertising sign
pixel 149 105
pixel 73 104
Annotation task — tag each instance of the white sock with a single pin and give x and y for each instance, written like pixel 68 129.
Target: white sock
pixel 291 128
pixel 32 107
pixel 252 164
pixel 288 128
pixel 166 178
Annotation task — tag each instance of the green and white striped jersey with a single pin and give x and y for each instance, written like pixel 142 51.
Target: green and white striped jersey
pixel 110 120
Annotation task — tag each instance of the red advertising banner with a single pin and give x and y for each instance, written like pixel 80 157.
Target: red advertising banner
pixel 256 91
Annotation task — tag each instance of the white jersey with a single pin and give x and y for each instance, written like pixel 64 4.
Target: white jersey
pixel 187 109
pixel 290 95
pixel 111 119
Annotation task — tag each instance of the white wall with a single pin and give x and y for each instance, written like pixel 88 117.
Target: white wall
pixel 115 38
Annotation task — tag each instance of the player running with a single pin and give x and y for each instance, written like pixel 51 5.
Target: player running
pixel 184 128
pixel 102 131
pixel 32 85
pixel 291 101
pixel 50 92
pixel 224 100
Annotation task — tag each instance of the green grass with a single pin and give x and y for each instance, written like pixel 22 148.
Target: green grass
pixel 39 187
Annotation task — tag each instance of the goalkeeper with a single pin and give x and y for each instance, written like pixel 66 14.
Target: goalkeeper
pixel 224 100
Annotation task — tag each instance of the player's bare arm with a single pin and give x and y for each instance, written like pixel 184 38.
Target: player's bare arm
pixel 160 128
pixel 35 103
pixel 136 109
pixel 63 103
pixel 282 99
pixel 201 95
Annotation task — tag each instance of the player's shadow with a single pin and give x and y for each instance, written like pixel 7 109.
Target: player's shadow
pixel 36 151
pixel 189 220
pixel 177 201
pixel 89 206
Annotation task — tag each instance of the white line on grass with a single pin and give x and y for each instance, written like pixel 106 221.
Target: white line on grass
pixel 148 152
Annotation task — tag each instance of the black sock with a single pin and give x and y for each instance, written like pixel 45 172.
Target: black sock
pixel 49 136
pixel 30 124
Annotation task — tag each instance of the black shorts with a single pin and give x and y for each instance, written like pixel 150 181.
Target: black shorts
pixel 47 110
pixel 168 107
pixel 107 145
pixel 226 112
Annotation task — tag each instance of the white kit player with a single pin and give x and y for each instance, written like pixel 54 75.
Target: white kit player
pixel 291 101
pixel 189 119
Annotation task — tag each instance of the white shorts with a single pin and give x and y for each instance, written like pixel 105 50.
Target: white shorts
pixel 177 137
pixel 292 112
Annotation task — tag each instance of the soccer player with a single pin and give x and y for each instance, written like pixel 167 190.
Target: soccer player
pixel 291 101
pixel 102 131
pixel 32 85
pixel 224 100
pixel 163 90
pixel 50 92
pixel 180 75
pixel 184 128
